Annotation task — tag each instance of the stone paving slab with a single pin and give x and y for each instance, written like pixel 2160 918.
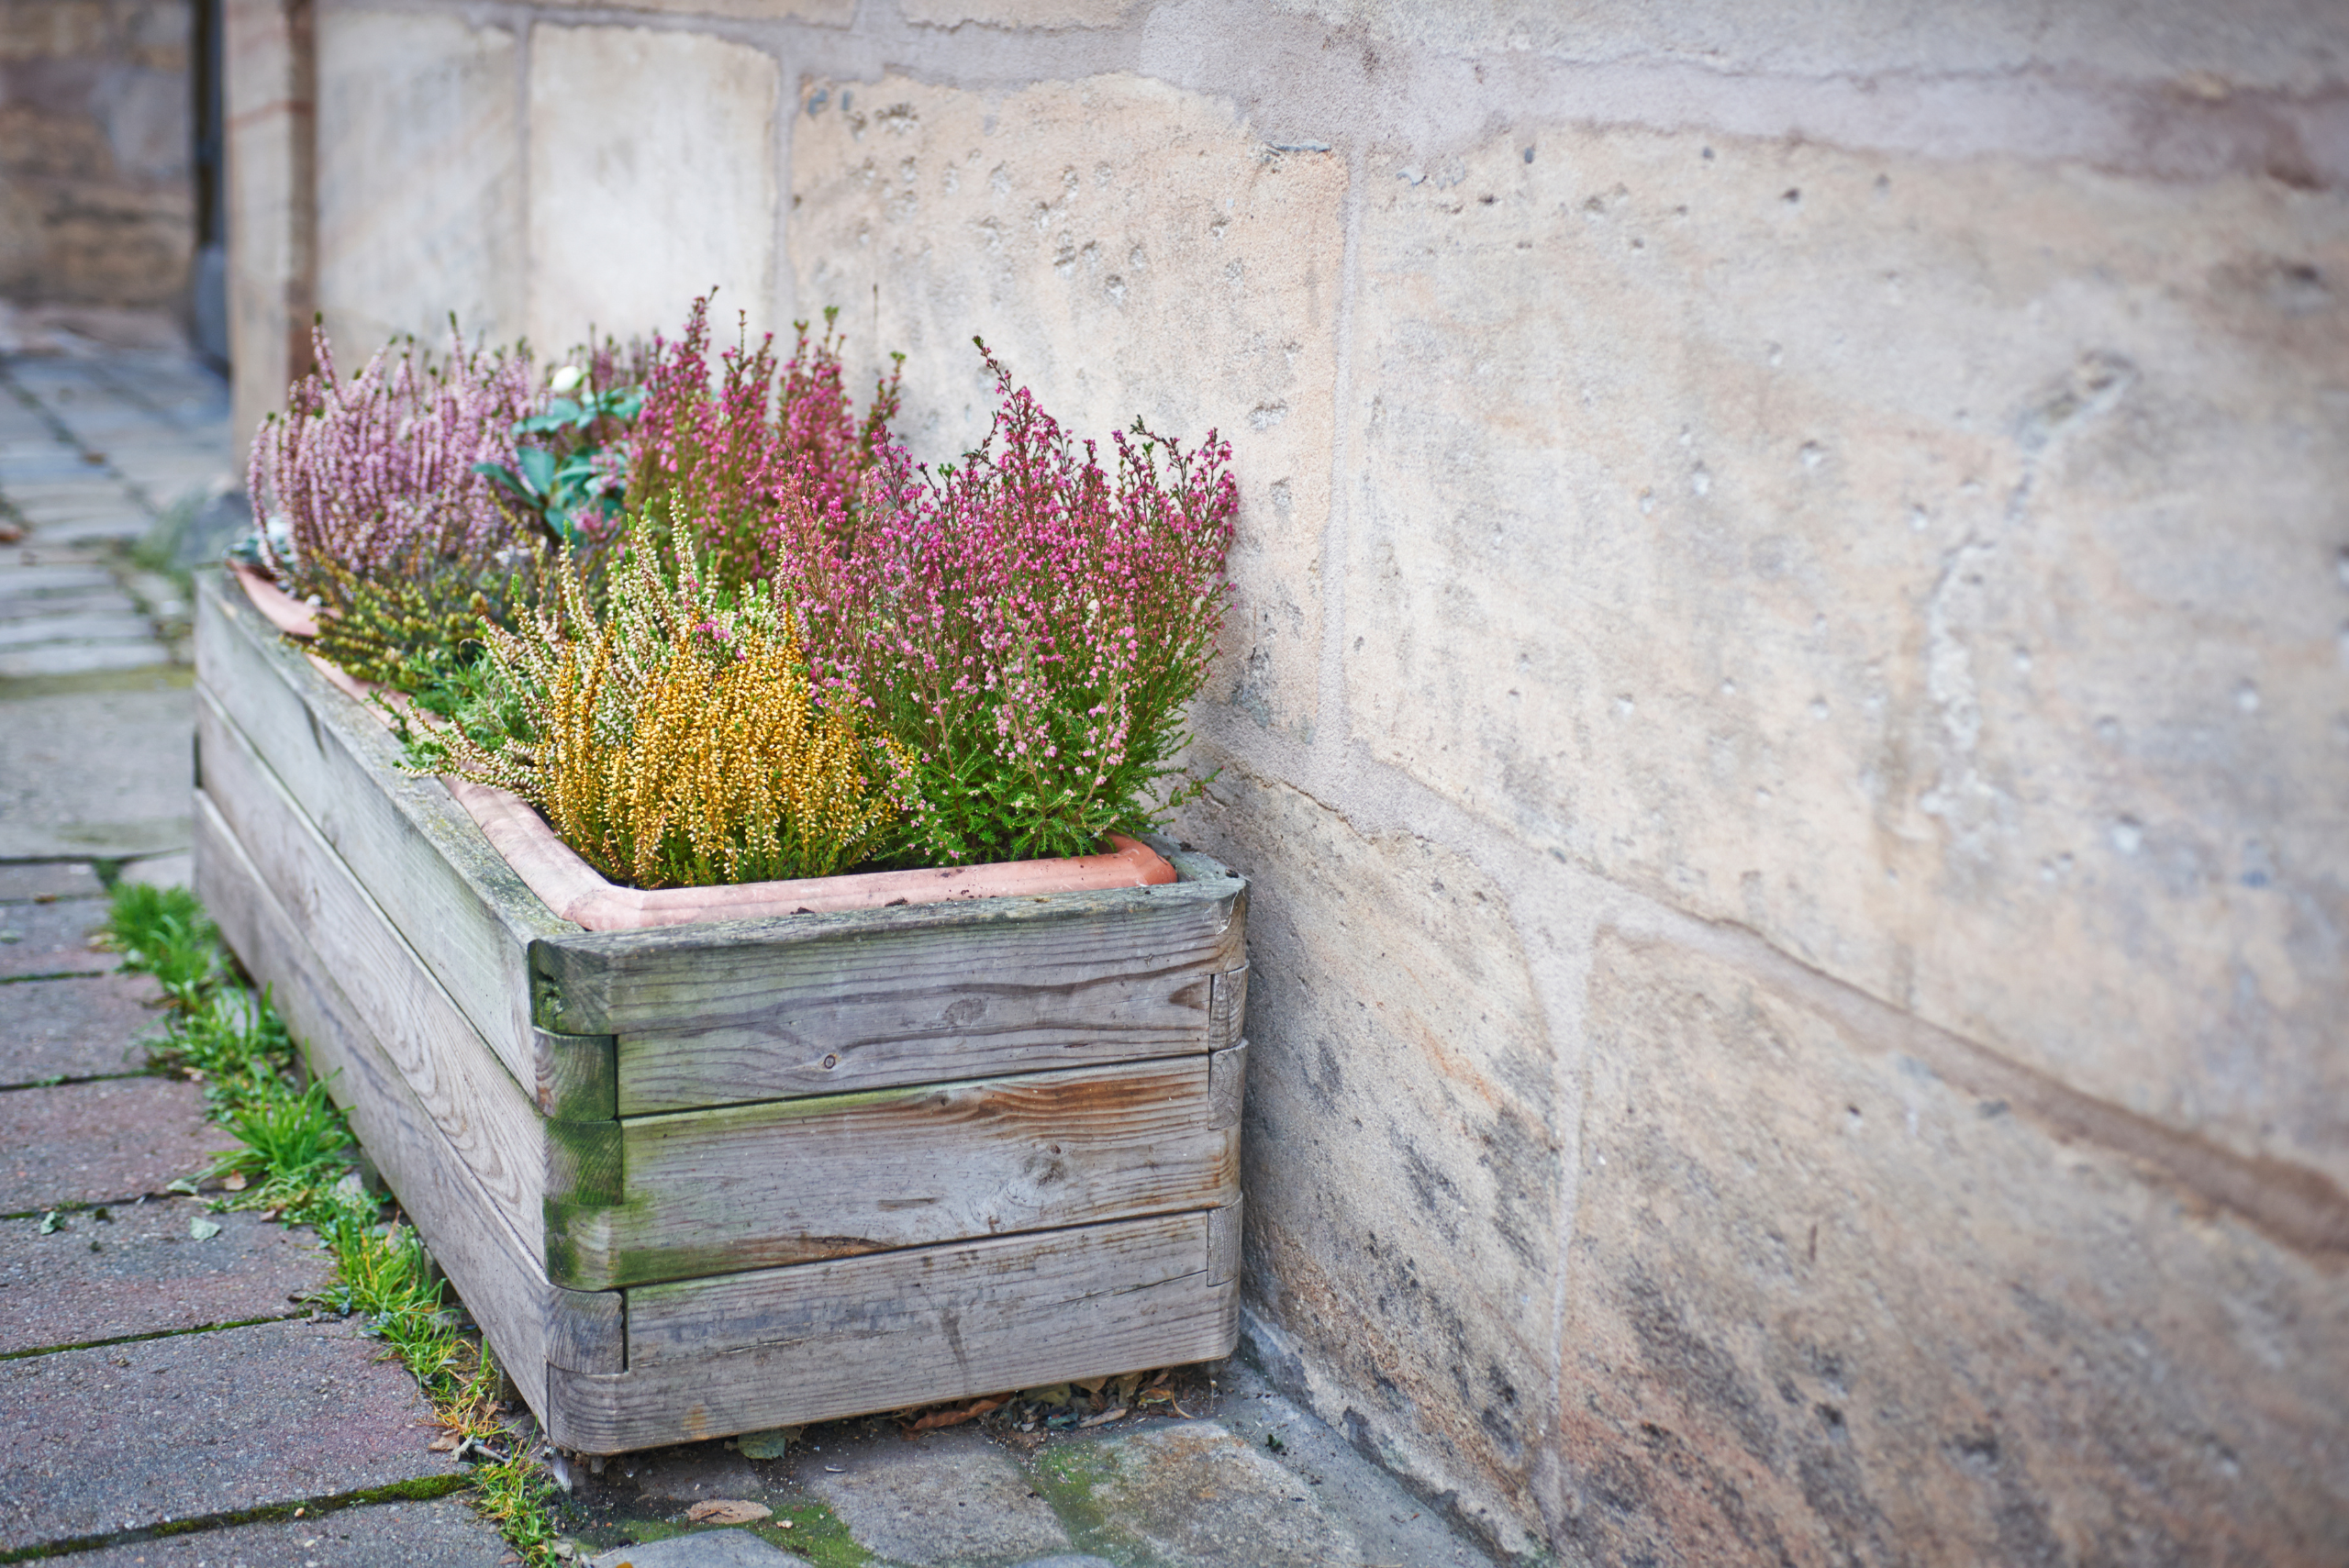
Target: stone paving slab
pixel 100 1143
pixel 125 1437
pixel 25 581
pixel 142 1271
pixel 43 881
pixel 83 1027
pixel 46 625
pixel 82 658
pixel 706 1549
pixel 948 1500
pixel 98 773
pixel 53 939
pixel 22 608
pixel 443 1533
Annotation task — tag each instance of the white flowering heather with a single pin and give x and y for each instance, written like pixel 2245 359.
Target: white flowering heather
pixel 365 472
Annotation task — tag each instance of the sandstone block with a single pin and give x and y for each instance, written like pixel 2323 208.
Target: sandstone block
pixel 1402 1172
pixel 1127 250
pixel 1930 567
pixel 1826 1305
pixel 653 179
pixel 419 199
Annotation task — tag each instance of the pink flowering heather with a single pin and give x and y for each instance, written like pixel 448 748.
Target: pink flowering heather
pixel 722 458
pixel 380 468
pixel 1031 626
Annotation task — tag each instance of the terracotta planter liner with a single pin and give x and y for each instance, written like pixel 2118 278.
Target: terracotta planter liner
pixel 578 893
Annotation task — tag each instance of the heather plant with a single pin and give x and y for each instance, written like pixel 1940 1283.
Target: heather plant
pixel 359 474
pixel 672 738
pixel 1029 627
pixel 720 454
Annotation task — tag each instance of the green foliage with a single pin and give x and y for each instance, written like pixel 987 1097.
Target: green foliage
pixel 295 1157
pixel 164 932
pixel 569 480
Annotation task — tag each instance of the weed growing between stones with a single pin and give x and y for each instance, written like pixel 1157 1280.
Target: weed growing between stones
pixel 296 1165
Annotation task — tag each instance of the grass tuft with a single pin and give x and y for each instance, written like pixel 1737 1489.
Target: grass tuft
pixel 294 1160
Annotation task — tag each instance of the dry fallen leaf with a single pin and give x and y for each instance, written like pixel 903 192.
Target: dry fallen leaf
pixel 445 1441
pixel 1109 1415
pixel 235 1184
pixel 937 1419
pixel 727 1512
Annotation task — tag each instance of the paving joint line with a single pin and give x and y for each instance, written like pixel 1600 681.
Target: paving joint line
pixel 66 1080
pixel 85 1205
pixel 153 1334
pixel 423 1489
pixel 57 974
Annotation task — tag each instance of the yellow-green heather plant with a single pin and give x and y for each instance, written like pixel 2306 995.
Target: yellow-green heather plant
pixel 673 740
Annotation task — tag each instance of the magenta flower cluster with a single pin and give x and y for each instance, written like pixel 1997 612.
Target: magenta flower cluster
pixel 1030 624
pixel 365 472
pixel 722 452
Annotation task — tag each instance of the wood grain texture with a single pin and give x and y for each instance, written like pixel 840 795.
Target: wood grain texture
pixel 488 1118
pixel 492 1270
pixel 707 1358
pixel 1228 1008
pixel 1223 1240
pixel 825 1004
pixel 1227 1085
pixel 577 1075
pixel 788 1181
pixel 423 859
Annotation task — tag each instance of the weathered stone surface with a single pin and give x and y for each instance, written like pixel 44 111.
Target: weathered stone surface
pixel 694 1474
pixel 98 773
pixel 1098 234
pixel 125 1436
pixel 1975 637
pixel 1193 1496
pixel 420 119
pixel 831 12
pixel 139 1271
pixel 98 1142
pixel 41 882
pixel 2279 43
pixel 85 1027
pixel 1826 1305
pixel 53 939
pixel 1048 14
pixel 704 1549
pixel 95 199
pixel 269 99
pixel 444 1533
pixel 1401 1160
pixel 673 134
pixel 161 871
pixel 946 1499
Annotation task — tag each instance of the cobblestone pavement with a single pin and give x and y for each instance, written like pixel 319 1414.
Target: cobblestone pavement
pixel 167 1399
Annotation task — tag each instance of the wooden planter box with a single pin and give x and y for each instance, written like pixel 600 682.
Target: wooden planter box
pixel 708 1179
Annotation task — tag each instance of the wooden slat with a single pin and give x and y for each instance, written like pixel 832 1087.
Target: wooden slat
pixel 486 1116
pixel 787 1181
pixel 707 1358
pixel 824 1004
pixel 499 1282
pixel 452 896
pixel 577 1075
pixel 1223 1240
pixel 1227 1008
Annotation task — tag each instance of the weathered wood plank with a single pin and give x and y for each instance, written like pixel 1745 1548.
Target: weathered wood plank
pixel 577 1075
pixel 1224 1237
pixel 791 1181
pixel 827 1004
pixel 1227 1008
pixel 452 896
pixel 487 1117
pixel 707 1358
pixel 499 1282
pixel 1227 1085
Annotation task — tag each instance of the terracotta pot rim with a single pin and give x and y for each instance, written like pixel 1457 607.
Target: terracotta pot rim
pixel 576 892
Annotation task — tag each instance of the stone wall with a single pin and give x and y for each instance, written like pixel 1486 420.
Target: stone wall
pixel 1787 700
pixel 96 204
